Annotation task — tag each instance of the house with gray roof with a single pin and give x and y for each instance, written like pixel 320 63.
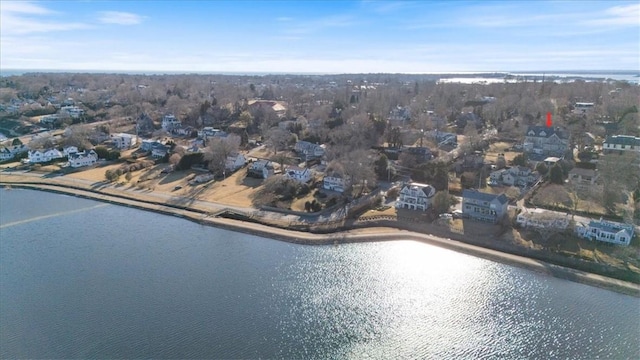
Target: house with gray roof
pixel 415 196
pixel 622 143
pixel 546 141
pixel 607 231
pixel 484 206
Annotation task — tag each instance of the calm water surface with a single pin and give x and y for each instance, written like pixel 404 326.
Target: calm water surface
pixel 83 279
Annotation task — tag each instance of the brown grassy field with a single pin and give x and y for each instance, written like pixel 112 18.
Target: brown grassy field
pixel 500 148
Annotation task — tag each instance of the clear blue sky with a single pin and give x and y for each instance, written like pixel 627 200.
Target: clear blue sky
pixel 320 36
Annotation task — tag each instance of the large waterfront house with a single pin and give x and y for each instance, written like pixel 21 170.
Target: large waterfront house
pixel 302 175
pixel 546 141
pixel 261 169
pixel 124 141
pixel 335 182
pixel 84 158
pixel 38 156
pixel 621 143
pixel 607 231
pixel 415 196
pixel 484 206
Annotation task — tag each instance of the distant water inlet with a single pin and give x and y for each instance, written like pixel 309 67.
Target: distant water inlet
pixel 79 279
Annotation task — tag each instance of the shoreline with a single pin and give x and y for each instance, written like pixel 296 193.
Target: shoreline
pixel 343 236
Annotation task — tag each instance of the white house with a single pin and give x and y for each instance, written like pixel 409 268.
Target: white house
pixel 170 122
pixel 516 175
pixel 79 159
pixel 607 231
pixel 124 141
pixel 261 169
pixel 622 142
pixel 335 182
pixel 302 175
pixel 67 150
pixel 234 162
pixel 5 154
pixel 415 196
pixel 37 156
pixel 540 218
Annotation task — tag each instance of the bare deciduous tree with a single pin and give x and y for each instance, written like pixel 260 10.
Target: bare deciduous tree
pixel 219 149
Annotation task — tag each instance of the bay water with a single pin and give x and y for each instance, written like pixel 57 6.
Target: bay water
pixel 85 279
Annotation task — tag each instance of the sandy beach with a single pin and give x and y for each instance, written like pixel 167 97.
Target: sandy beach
pixel 199 213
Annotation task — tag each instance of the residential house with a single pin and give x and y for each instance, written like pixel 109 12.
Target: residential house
pixel 583 179
pixel 309 151
pixel 551 160
pixel 621 143
pixel 543 141
pixel 261 169
pixel 335 182
pixel 234 162
pixel 144 125
pixel 85 158
pixel 469 117
pixel 279 107
pixel 514 176
pixel 67 150
pixel 208 132
pixel 159 150
pixel 415 196
pixel 483 206
pixel 420 153
pixel 445 138
pixel 10 152
pixel 148 144
pixel 581 108
pixel 399 116
pixel 607 231
pixel 124 141
pixel 49 120
pixel 73 111
pixel 302 175
pixel 37 156
pixel 5 154
pixel 170 123
pixel 184 131
pixel 539 218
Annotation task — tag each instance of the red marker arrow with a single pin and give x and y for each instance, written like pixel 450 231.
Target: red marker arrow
pixel 549 123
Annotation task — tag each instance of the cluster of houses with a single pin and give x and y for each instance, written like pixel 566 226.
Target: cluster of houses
pixel 76 158
pixel 9 152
